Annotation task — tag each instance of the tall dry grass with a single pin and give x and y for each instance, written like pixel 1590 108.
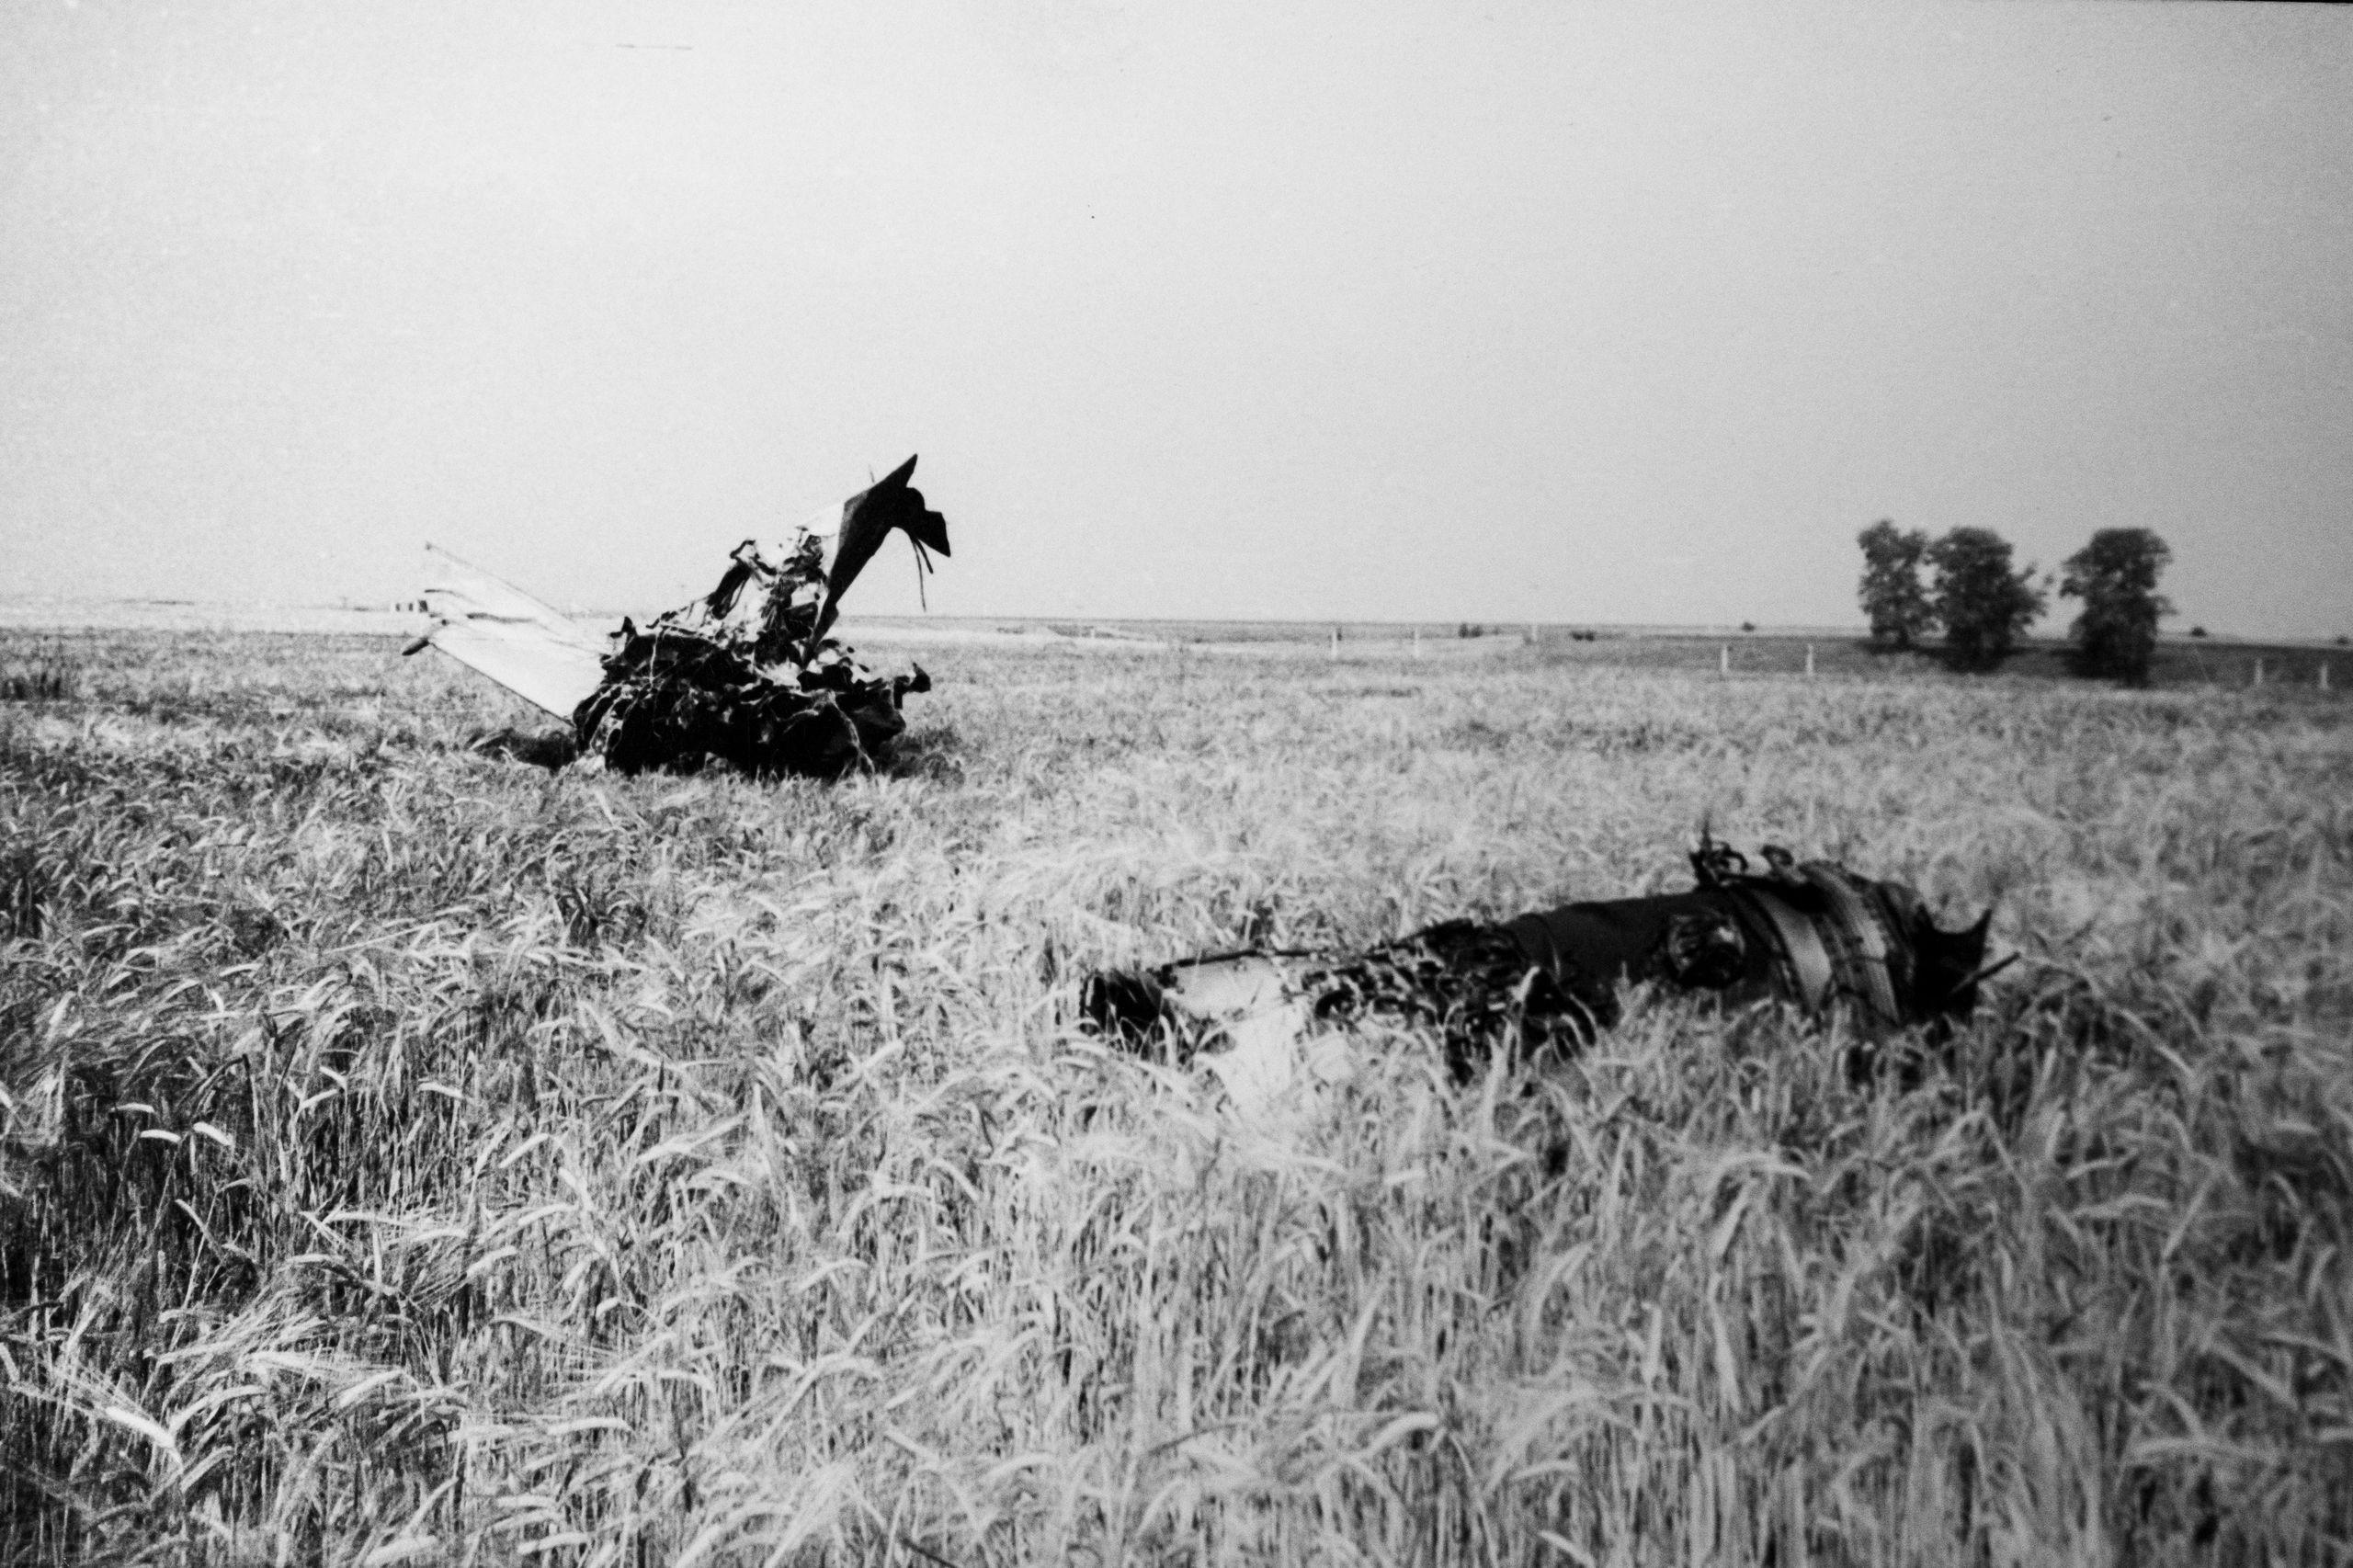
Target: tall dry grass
pixel 411 1158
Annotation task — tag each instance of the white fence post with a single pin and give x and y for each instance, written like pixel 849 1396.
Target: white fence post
pixel 1723 660
pixel 2258 672
pixel 1809 661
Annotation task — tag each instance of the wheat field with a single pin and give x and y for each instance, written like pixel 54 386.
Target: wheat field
pixel 414 1158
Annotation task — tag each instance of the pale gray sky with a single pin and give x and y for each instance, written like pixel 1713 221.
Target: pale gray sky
pixel 1530 309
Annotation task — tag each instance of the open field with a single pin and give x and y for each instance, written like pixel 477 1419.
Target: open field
pixel 2180 661
pixel 410 1157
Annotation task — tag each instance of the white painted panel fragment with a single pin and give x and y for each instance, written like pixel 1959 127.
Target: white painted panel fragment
pixel 1226 988
pixel 541 656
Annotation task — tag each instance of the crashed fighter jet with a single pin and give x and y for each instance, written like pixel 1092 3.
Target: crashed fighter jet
pixel 745 675
pixel 1817 934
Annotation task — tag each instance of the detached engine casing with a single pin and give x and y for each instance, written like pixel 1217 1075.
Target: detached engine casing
pixel 1815 934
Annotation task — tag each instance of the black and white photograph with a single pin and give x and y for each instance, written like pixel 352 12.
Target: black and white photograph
pixel 1419 784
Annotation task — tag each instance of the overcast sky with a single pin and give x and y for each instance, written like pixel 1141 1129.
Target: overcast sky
pixel 1508 310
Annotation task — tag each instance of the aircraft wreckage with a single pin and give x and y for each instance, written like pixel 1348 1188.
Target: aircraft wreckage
pixel 745 676
pixel 1814 934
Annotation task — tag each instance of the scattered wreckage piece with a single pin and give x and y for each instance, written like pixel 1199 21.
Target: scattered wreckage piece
pixel 552 749
pixel 1817 935
pixel 745 676
pixel 716 679
pixel 495 628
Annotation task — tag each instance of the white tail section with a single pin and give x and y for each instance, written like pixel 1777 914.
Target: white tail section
pixel 494 626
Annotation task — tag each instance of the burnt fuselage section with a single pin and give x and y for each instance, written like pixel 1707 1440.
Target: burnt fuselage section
pixel 1817 935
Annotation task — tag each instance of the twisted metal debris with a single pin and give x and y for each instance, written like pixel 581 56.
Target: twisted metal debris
pixel 1817 935
pixel 747 676
pixel 718 680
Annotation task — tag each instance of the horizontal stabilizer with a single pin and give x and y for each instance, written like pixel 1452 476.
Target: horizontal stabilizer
pixel 492 626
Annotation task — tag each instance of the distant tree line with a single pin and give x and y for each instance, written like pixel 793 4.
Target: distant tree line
pixel 1981 604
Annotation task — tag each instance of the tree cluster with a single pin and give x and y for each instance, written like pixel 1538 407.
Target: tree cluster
pixel 1982 603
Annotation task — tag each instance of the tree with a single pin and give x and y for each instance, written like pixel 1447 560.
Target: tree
pixel 2116 576
pixel 1983 604
pixel 1891 592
